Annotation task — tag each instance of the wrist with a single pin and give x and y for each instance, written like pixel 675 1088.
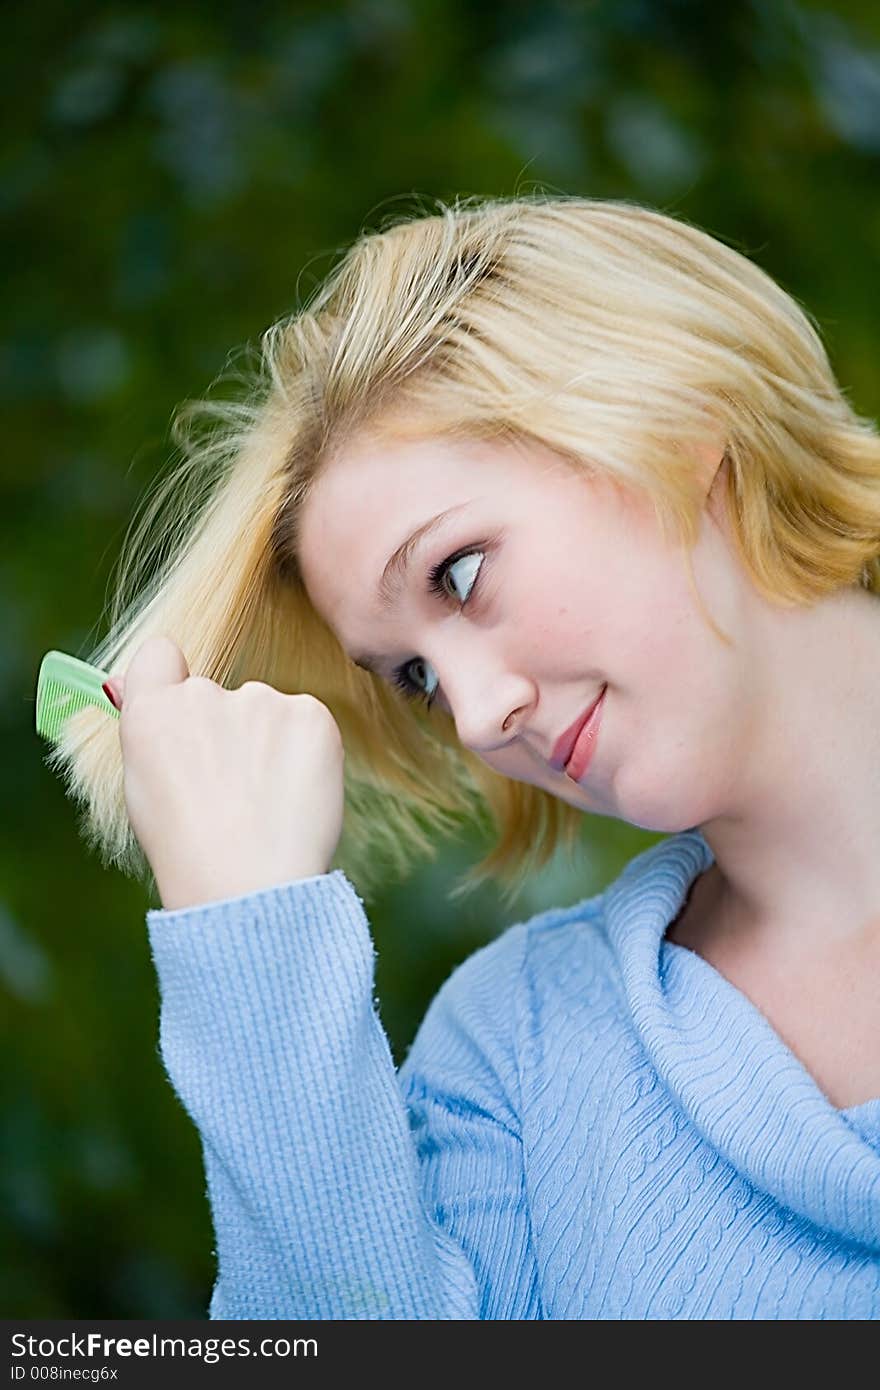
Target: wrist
pixel 177 896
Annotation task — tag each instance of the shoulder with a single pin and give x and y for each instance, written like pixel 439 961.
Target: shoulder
pixel 554 986
pixel 481 1015
pixel 555 970
pixel 559 950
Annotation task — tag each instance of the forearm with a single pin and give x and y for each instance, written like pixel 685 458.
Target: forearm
pixel 270 1037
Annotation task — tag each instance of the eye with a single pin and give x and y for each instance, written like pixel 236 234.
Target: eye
pixel 471 562
pixel 465 564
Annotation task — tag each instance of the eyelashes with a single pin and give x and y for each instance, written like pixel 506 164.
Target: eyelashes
pixel 437 587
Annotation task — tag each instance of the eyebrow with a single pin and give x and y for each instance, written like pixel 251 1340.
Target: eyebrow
pixel 394 575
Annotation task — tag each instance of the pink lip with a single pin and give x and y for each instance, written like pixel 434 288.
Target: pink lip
pixel 582 753
pixel 566 742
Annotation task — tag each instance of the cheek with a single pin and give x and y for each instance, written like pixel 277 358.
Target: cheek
pixel 556 623
pixel 555 640
pixel 585 621
pixel 620 611
pixel 664 645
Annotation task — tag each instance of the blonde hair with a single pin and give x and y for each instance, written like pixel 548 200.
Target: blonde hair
pixel 616 335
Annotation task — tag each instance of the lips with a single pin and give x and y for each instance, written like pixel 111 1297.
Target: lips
pixel 567 741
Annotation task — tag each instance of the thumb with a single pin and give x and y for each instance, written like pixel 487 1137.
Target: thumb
pixel 157 661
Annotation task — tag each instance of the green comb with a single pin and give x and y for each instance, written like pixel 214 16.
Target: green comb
pixel 66 685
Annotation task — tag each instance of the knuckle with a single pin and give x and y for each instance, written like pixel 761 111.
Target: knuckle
pixel 312 708
pixel 252 688
pixel 319 717
pixel 193 683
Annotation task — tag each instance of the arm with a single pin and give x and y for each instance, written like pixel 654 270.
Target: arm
pixel 339 1189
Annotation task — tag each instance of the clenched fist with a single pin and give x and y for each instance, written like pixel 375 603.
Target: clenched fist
pixel 228 791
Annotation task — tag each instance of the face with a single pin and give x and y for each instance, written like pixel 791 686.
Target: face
pixel 556 583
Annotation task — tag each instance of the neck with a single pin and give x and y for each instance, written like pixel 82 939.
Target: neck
pixel 796 852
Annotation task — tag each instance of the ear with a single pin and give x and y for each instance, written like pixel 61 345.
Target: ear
pixel 712 466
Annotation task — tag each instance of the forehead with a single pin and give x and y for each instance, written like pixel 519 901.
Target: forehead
pixel 374 491
pixel 367 499
pixel 396 476
pixel 394 482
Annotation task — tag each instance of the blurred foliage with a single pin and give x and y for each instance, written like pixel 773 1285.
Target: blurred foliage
pixel 173 179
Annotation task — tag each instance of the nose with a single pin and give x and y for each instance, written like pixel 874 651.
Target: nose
pixel 489 707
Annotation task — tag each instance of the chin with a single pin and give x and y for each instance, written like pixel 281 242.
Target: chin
pixel 663 807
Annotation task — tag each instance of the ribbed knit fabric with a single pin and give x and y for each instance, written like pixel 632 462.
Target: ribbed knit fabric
pixel 591 1122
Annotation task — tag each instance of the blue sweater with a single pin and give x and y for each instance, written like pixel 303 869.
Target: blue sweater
pixel 591 1122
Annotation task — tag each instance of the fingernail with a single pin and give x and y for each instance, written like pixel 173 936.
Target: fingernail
pixel 111 695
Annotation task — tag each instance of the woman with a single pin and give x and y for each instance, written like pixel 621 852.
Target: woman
pixel 651 594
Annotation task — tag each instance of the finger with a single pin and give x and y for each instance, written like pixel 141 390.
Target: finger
pixel 158 661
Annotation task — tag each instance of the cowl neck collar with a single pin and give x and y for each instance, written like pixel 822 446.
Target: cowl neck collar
pixel 741 1085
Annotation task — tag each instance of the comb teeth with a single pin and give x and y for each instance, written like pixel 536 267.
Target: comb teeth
pixel 59 704
pixel 65 686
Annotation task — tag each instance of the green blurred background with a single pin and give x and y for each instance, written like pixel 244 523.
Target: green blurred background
pixel 174 178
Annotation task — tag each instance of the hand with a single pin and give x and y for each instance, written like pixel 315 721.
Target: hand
pixel 227 791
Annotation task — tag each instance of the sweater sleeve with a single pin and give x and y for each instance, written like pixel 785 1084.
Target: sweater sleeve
pixel 338 1187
